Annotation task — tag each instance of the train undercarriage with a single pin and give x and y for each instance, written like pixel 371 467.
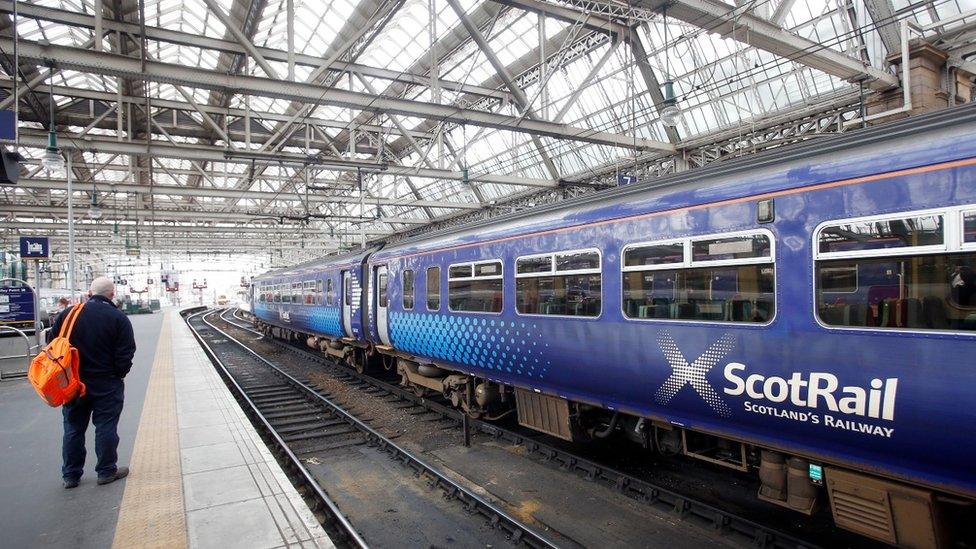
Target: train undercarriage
pixel 880 508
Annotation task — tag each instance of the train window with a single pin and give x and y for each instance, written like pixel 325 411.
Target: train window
pixel 348 290
pixel 433 288
pixel 907 274
pixel 382 290
pixel 725 278
pixel 475 287
pixel 969 227
pixel 883 233
pixel 563 284
pixel 329 292
pixel 666 253
pixel 408 289
pixel 526 265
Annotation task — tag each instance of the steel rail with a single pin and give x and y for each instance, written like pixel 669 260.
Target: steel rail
pixel 518 531
pixel 629 485
pixel 325 503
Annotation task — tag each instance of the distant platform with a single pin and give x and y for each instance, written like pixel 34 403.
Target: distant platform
pixel 200 475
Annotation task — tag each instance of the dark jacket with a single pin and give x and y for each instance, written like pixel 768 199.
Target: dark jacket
pixel 103 337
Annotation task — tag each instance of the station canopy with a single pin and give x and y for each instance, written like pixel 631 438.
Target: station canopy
pixel 283 130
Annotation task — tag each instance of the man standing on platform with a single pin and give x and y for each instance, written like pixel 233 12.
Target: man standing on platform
pixel 106 345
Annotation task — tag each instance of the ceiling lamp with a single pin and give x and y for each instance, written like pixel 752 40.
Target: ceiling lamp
pixel 51 160
pixel 116 239
pixel 670 113
pixel 94 212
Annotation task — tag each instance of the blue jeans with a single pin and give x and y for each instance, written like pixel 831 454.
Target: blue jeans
pixel 102 405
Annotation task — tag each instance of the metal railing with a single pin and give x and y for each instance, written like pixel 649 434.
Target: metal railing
pixel 26 356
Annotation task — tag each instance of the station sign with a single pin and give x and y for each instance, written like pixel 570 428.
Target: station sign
pixel 35 247
pixel 624 179
pixel 16 306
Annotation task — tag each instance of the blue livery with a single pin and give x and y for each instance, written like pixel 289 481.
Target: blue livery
pixel 840 329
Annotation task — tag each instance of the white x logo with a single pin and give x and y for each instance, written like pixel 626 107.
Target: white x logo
pixel 693 374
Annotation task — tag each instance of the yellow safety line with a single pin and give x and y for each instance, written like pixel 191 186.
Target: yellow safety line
pixel 151 514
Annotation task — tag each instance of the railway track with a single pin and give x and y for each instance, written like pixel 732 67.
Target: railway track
pixel 686 508
pixel 303 427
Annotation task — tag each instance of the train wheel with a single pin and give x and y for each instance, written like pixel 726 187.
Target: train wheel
pixel 359 361
pixel 419 390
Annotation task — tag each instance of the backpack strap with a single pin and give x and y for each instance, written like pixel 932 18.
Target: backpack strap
pixel 69 321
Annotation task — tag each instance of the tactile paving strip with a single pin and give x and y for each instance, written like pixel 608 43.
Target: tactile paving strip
pixel 152 514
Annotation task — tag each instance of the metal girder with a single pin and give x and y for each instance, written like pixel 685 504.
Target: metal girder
pixel 782 9
pixel 718 17
pixel 127 67
pixel 270 230
pixel 34 138
pixel 502 71
pixel 175 190
pixel 195 215
pixel 651 81
pixel 882 13
pixel 216 44
pixel 167 104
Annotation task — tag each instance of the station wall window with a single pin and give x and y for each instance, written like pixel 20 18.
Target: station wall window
pixel 408 289
pixel 329 292
pixel 433 288
pixel 564 284
pixel 381 285
pixel 717 278
pixel 913 271
pixel 475 287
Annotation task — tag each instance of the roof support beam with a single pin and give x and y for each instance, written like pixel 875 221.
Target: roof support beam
pixel 35 138
pixel 716 16
pixel 781 11
pixel 127 67
pixel 650 80
pixel 190 215
pixel 229 46
pixel 269 230
pixel 520 98
pixel 882 13
pixel 209 192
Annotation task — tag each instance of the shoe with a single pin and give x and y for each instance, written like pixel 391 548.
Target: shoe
pixel 70 483
pixel 121 472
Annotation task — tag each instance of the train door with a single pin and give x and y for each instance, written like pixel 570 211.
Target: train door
pixel 382 302
pixel 347 303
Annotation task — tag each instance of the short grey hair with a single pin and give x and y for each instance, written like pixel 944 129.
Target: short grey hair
pixel 102 286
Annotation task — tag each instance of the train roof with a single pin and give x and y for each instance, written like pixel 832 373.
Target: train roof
pixel 351 257
pixel 877 149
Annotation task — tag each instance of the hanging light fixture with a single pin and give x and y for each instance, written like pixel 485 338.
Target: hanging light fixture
pixel 94 211
pixel 670 114
pixel 116 238
pixel 51 160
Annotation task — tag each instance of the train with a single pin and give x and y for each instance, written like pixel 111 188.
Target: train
pixel 806 315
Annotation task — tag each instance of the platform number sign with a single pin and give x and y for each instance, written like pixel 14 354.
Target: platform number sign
pixel 624 179
pixel 34 247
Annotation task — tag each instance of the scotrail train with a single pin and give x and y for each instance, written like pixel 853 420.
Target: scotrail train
pixel 807 314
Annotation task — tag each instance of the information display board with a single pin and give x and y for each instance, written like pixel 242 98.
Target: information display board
pixel 16 306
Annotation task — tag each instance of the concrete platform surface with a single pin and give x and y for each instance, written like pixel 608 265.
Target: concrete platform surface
pixel 201 476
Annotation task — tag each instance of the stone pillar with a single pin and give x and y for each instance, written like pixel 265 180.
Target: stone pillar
pixel 931 84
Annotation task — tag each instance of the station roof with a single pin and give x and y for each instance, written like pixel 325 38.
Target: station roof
pixel 282 130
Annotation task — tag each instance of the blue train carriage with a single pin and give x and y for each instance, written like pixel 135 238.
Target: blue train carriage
pixel 320 303
pixel 807 314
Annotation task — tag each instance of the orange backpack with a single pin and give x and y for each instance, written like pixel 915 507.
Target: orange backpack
pixel 54 371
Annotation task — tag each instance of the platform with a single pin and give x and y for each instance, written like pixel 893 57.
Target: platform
pixel 201 476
